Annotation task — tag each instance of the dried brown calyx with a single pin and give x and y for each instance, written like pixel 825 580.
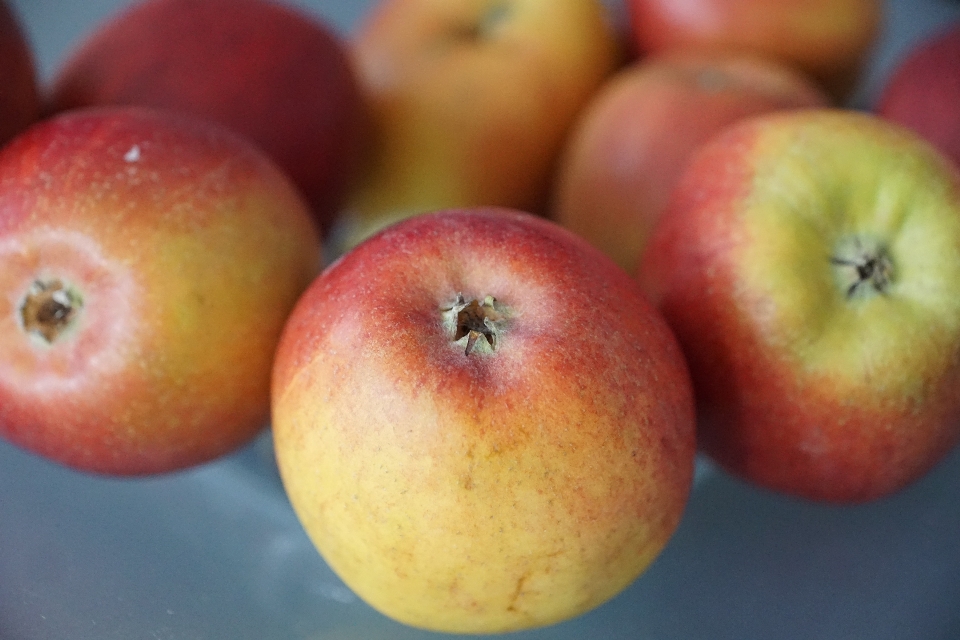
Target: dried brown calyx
pixel 478 322
pixel 49 308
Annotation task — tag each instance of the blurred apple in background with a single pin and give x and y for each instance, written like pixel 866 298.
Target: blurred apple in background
pixel 147 265
pixel 923 92
pixel 633 139
pixel 276 75
pixel 471 101
pixel 19 93
pixel 809 265
pixel 830 40
pixel 444 435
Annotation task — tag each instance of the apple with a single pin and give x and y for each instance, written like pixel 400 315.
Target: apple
pixel 271 73
pixel 471 101
pixel 481 422
pixel 923 92
pixel 148 262
pixel 20 97
pixel 809 265
pixel 828 39
pixel 629 145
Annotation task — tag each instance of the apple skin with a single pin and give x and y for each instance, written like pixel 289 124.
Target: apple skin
pixel 830 40
pixel 631 142
pixel 923 92
pixel 186 249
pixel 271 73
pixel 471 102
pixel 508 488
pixel 808 383
pixel 20 97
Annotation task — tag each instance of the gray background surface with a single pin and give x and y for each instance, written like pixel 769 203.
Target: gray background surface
pixel 216 552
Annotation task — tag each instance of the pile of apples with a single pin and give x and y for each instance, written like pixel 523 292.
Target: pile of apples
pixel 494 271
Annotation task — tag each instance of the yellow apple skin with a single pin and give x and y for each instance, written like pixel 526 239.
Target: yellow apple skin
pixel 510 488
pixel 471 100
pixel 186 249
pixel 810 378
pixel 633 139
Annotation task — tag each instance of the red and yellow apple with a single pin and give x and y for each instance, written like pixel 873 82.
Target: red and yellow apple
pixel 148 263
pixel 923 92
pixel 809 263
pixel 482 423
pixel 19 96
pixel 471 100
pixel 633 139
pixel 273 74
pixel 830 40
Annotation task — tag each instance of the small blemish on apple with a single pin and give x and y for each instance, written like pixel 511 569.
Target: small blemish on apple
pixel 133 154
pixel 49 308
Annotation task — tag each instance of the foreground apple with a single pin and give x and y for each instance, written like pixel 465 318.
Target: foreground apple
pixel 269 72
pixel 830 40
pixel 809 265
pixel 628 148
pixel 19 95
pixel 923 93
pixel 471 100
pixel 147 265
pixel 481 423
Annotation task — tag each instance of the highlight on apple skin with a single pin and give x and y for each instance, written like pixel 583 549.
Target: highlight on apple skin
pixel 809 264
pixel 482 423
pixel 148 262
pixel 275 74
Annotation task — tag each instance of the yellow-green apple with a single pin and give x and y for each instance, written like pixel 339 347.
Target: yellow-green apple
pixel 923 92
pixel 270 72
pixel 19 96
pixel 828 39
pixel 809 263
pixel 481 422
pixel 471 100
pixel 148 263
pixel 628 147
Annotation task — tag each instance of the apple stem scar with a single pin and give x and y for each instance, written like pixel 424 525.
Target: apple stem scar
pixel 48 308
pixel 474 320
pixel 871 267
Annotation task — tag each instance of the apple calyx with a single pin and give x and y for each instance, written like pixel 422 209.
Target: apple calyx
pixel 49 308
pixel 869 268
pixel 474 320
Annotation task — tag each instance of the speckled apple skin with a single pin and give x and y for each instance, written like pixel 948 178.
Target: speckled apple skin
pixel 188 248
pixel 801 389
pixel 484 492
